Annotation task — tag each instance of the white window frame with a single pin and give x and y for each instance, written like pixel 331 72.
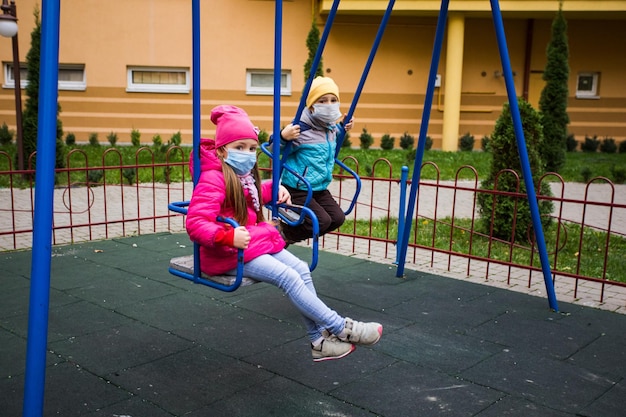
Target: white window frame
pixel 133 87
pixel 267 90
pixel 76 85
pixel 591 93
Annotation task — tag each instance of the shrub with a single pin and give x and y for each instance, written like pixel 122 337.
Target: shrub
pixel 177 139
pixel 129 174
pixel 466 142
pixel 484 143
pixel 263 136
pixel 94 176
pixel 407 141
pixel 93 139
pixel 112 138
pixel 586 174
pixel 366 139
pixel 70 139
pixel 135 137
pixel 387 142
pixel 608 145
pixel 622 147
pixel 619 174
pixel 506 156
pixel 157 141
pixel 6 135
pixel 410 157
pixel 571 143
pixel 590 144
pixel 429 143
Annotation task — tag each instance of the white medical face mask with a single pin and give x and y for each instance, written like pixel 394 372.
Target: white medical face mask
pixel 242 162
pixel 326 113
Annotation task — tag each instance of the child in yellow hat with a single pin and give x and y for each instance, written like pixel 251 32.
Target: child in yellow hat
pixel 312 155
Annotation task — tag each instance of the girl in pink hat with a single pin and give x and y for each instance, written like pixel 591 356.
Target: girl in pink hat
pixel 229 186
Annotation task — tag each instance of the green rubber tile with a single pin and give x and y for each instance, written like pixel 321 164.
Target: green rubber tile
pixel 293 360
pixel 405 389
pixel 437 350
pixel 548 382
pixel 189 380
pixel 119 347
pixel 293 400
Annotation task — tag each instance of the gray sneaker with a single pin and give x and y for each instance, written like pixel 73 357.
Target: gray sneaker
pixel 331 348
pixel 361 333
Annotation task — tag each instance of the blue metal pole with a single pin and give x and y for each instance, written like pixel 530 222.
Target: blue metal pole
pixel 523 154
pixel 404 176
pixel 421 145
pixel 278 23
pixel 309 81
pixel 34 385
pixel 196 114
pixel 195 86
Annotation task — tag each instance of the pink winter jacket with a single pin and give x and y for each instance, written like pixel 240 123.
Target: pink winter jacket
pixel 208 202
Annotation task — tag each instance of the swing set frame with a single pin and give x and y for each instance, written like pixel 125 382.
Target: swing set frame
pixel 39 300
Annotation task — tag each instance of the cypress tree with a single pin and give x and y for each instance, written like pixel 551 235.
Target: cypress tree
pixel 32 90
pixel 31 108
pixel 553 100
pixel 312 43
pixel 509 210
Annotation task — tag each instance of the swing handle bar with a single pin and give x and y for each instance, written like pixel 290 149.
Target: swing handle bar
pixel 358 184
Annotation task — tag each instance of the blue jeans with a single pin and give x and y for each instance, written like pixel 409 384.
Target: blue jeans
pixel 292 275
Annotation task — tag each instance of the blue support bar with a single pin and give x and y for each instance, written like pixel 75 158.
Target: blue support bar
pixel 307 85
pixel 421 145
pixel 404 177
pixel 276 165
pixel 196 88
pixel 197 113
pixel 523 153
pixel 34 385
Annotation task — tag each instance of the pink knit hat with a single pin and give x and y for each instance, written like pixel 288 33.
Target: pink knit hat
pixel 232 124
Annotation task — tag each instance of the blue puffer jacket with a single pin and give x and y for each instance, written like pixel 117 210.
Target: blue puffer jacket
pixel 312 155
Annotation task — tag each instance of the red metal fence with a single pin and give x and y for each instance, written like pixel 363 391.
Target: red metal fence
pixel 122 198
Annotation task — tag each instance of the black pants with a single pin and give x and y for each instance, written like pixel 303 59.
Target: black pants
pixel 329 215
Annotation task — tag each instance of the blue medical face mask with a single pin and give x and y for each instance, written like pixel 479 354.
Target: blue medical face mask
pixel 326 113
pixel 241 162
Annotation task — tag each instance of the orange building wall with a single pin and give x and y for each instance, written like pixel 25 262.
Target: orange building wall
pixel 239 34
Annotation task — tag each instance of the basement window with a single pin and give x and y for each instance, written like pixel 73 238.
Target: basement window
pixel 158 80
pixel 261 82
pixel 587 85
pixel 71 76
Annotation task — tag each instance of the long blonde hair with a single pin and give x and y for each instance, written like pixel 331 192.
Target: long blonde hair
pixel 235 196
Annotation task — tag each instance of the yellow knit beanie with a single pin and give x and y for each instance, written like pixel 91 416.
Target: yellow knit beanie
pixel 319 87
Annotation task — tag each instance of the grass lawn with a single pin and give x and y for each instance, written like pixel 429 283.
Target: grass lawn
pixel 579 166
pixel 587 260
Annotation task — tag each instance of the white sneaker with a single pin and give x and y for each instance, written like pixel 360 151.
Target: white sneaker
pixel 331 348
pixel 361 333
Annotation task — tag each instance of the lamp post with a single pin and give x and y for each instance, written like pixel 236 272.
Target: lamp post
pixel 8 29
